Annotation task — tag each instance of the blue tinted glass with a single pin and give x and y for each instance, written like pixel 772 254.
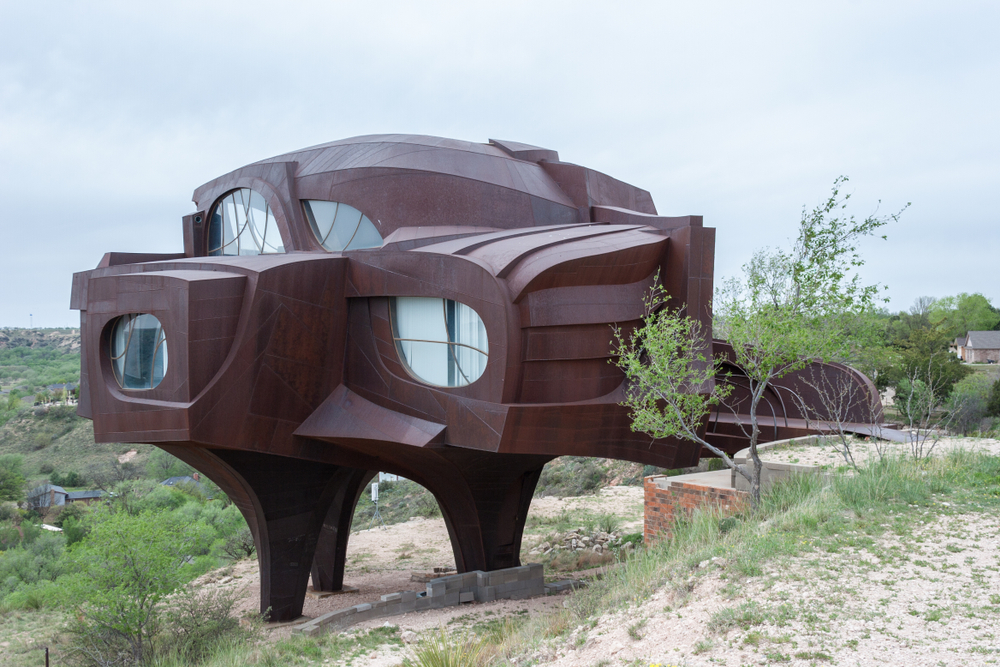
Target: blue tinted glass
pixel 138 351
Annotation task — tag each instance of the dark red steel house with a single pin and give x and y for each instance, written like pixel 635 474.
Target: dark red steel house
pixel 428 307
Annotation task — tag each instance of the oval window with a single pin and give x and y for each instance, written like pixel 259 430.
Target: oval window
pixel 442 342
pixel 138 351
pixel 242 223
pixel 340 227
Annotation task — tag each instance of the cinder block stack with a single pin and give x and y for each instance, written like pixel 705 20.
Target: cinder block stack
pixel 514 583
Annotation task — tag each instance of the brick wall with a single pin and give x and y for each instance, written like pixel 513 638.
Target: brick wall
pixel 666 500
pixel 981 355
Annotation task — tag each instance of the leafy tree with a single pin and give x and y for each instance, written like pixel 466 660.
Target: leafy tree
pixel 13 401
pixel 993 407
pixel 791 307
pixel 968 402
pixel 127 566
pixel 240 545
pixel 162 465
pixel 924 357
pixel 11 477
pixel 37 560
pixel 955 316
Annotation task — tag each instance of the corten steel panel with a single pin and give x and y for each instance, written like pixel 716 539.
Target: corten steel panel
pixel 284 383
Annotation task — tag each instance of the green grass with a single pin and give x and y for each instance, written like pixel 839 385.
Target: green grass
pixel 59 439
pixel 800 516
pixel 398 501
pixel 804 517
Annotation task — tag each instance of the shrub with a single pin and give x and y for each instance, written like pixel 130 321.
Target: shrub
pixel 124 570
pixel 36 561
pixel 969 402
pixel 570 476
pixel 609 523
pixel 11 477
pixel 439 650
pixel 993 407
pixel 197 624
pixel 240 545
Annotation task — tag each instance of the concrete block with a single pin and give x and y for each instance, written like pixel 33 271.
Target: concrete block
pixel 561 586
pixel 392 596
pixel 523 573
pixel 337 616
pixel 408 596
pixel 435 588
pixel 451 598
pixel 520 594
pixel 468 596
pixel 361 608
pixel 537 570
pixel 307 629
pixel 482 579
pixel 422 604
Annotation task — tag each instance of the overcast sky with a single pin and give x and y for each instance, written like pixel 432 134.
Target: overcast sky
pixel 111 114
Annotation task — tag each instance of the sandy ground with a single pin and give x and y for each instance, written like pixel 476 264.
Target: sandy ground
pixel 381 561
pixel 829 453
pixel 928 599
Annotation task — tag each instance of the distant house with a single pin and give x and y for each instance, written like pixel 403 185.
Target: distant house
pixel 47 495
pixel 194 479
pixel 980 347
pixel 69 387
pixel 85 497
pixel 184 479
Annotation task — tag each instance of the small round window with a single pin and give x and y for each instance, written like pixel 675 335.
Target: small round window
pixel 340 227
pixel 138 351
pixel 442 342
pixel 242 223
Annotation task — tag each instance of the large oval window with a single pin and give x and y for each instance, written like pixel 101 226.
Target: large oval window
pixel 442 342
pixel 242 223
pixel 138 351
pixel 340 227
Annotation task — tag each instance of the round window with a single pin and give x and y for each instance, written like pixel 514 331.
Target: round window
pixel 442 342
pixel 138 351
pixel 242 223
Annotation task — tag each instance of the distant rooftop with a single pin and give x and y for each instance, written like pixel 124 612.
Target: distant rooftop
pixel 984 340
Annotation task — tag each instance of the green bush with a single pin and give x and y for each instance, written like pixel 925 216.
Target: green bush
pixel 127 566
pixel 968 403
pixel 993 407
pixel 71 478
pixel 570 476
pixel 11 477
pixel 36 561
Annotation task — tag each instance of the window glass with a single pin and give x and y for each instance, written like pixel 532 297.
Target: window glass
pixel 242 223
pixel 442 342
pixel 340 227
pixel 138 351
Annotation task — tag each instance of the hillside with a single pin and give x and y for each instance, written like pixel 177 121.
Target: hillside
pixel 31 362
pixel 67 340
pixel 55 440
